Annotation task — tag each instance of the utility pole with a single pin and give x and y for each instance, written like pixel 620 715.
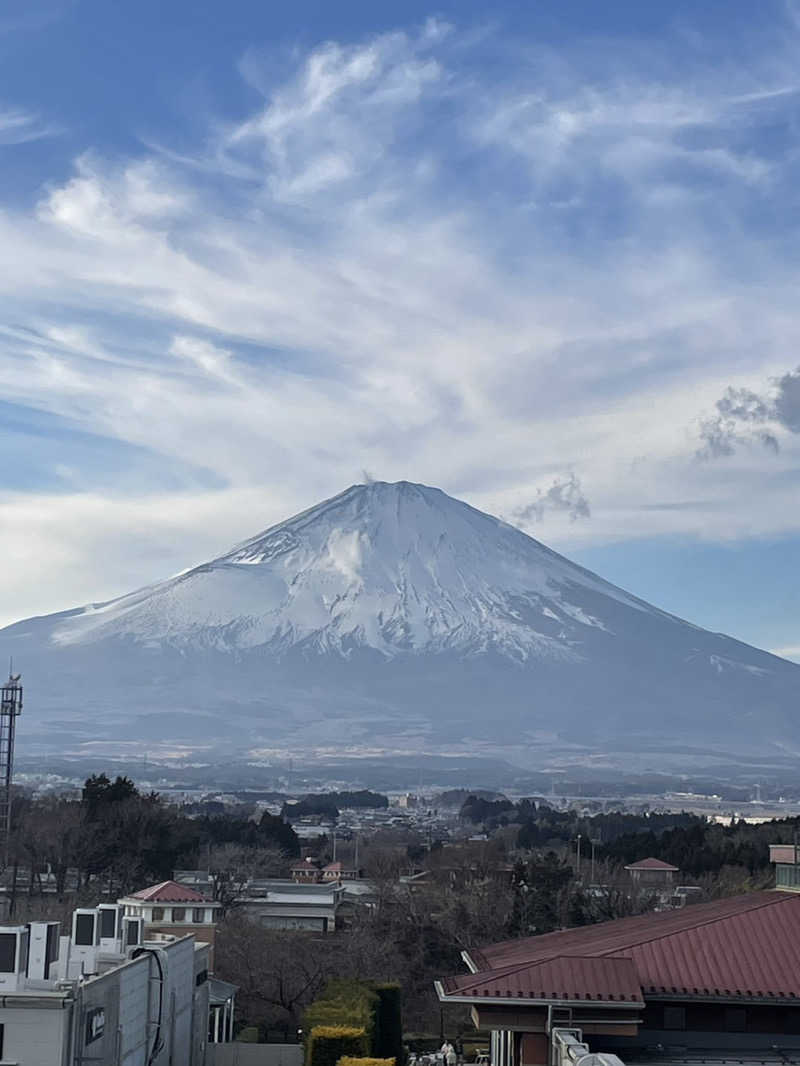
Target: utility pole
pixel 578 853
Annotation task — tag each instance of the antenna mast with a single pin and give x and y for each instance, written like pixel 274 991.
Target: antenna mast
pixel 10 709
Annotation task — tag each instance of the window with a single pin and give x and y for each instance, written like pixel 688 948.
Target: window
pixel 198 914
pixel 674 1017
pixel 157 914
pixel 179 914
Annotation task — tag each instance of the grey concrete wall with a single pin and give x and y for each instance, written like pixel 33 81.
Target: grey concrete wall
pixel 237 1054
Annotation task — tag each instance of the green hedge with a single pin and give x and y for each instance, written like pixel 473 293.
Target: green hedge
pixel 329 1043
pixel 344 1002
pixel 373 1009
pixel 388 1037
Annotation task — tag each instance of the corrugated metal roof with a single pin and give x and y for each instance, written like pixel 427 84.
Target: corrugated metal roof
pixel 745 947
pixel 600 979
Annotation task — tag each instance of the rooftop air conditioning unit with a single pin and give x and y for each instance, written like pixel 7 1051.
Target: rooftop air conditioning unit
pixel 85 942
pixel 111 915
pixel 43 950
pixel 14 941
pixel 132 932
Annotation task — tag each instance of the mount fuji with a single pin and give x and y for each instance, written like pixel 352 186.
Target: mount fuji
pixel 394 618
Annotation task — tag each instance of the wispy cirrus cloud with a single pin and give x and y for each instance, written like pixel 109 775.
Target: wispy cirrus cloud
pixel 18 126
pixel 472 274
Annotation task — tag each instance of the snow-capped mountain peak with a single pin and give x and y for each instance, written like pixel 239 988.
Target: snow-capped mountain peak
pixel 393 615
pixel 397 568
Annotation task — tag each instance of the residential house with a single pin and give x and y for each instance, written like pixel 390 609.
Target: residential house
pixel 708 982
pixel 175 909
pixel 652 874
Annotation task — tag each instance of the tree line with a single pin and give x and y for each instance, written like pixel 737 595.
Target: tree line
pixel 116 839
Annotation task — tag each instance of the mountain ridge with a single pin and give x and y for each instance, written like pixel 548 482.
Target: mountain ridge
pixel 399 614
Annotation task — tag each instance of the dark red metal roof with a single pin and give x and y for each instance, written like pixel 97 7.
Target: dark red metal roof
pixel 652 864
pixel 745 947
pixel 575 978
pixel 169 892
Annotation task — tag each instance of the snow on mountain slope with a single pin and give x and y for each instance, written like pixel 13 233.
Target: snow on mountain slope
pixel 393 614
pixel 392 567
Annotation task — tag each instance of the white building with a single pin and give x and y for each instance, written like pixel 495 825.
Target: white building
pixel 101 995
pixel 176 909
pixel 277 904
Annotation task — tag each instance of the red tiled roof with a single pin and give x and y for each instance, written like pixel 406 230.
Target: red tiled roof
pixel 169 892
pixel 651 864
pixel 745 947
pixel 589 978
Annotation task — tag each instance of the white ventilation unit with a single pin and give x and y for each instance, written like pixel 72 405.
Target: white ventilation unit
pixel 111 915
pixel 85 942
pixel 570 1050
pixel 132 932
pixel 43 950
pixel 14 941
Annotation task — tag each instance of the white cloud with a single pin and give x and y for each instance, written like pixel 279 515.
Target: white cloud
pixel 18 126
pixel 400 263
pixel 792 652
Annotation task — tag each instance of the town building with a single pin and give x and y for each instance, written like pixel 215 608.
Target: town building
pixel 306 871
pixel 712 981
pixel 277 904
pixel 174 909
pixel 337 871
pixel 652 873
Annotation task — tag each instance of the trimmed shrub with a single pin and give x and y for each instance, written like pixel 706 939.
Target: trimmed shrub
pixel 329 1043
pixel 348 1003
pixel 388 1037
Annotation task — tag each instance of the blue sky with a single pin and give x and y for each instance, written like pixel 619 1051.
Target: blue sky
pixel 543 256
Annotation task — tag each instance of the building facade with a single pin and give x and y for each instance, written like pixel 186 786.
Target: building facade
pixel 705 982
pixel 175 909
pixel 277 904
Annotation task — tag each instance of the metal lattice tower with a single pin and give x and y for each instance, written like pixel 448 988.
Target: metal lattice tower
pixel 10 709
